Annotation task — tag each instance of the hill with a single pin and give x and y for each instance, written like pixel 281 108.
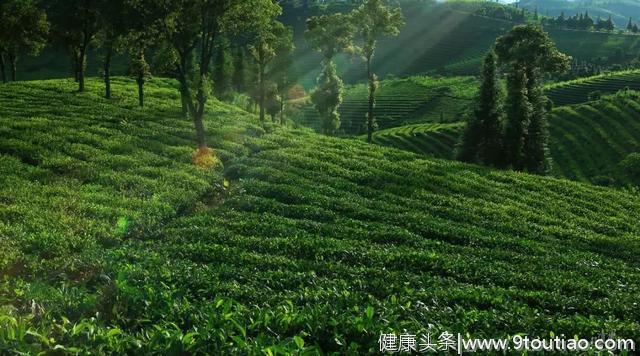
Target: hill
pixel 112 242
pixel 423 99
pixel 450 39
pixel 588 141
pixel 400 102
pixel 589 88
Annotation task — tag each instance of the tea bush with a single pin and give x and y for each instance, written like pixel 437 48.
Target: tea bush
pixel 303 244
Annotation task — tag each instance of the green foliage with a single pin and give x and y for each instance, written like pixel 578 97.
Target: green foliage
pixel 528 53
pixel 23 30
pixel 327 97
pixel 329 35
pixel 630 168
pixel 483 138
pixel 519 110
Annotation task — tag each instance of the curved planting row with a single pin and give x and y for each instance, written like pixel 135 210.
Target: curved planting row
pixel 589 140
pixel 436 140
pixel 584 90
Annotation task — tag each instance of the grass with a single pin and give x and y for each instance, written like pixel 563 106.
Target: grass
pixel 308 244
pixel 587 141
pixel 401 102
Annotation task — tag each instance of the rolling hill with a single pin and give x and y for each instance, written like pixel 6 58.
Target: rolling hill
pixel 112 242
pixel 587 142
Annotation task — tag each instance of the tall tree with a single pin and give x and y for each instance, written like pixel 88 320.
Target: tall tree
pixel 23 29
pixel 268 40
pixel 375 19
pixel 191 28
pixel 518 110
pixel 528 53
pixel 75 25
pixel 482 138
pixel 329 35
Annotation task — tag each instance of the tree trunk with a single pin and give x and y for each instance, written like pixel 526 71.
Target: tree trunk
pixel 199 113
pixel 140 81
pixel 196 115
pixel 282 109
pixel 262 89
pixel 2 71
pixel 370 117
pixel 74 63
pixel 81 64
pixel 107 75
pixel 13 60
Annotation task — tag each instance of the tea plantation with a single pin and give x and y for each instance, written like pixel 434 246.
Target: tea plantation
pixel 590 88
pixel 112 242
pixel 587 143
pixel 402 101
pixel 436 140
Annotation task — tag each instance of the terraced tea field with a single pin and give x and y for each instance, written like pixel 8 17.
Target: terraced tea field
pixel 587 140
pixel 403 101
pixel 579 91
pixel 113 243
pixel 435 140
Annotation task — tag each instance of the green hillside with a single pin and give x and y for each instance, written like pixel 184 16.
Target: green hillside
pixel 588 140
pixel 452 39
pixel 402 101
pixel 582 90
pixel 112 242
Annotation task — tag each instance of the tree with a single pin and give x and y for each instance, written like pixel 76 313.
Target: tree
pixel 268 40
pixel 518 111
pixel 223 71
pixel 191 28
pixel 528 52
pixel 239 70
pixel 142 34
pixel 23 29
pixel 482 139
pixel 329 35
pixel 113 27
pixel 374 19
pixel 141 71
pixel 282 72
pixel 75 25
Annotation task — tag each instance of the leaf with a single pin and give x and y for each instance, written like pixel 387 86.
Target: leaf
pixel 299 341
pixel 369 312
